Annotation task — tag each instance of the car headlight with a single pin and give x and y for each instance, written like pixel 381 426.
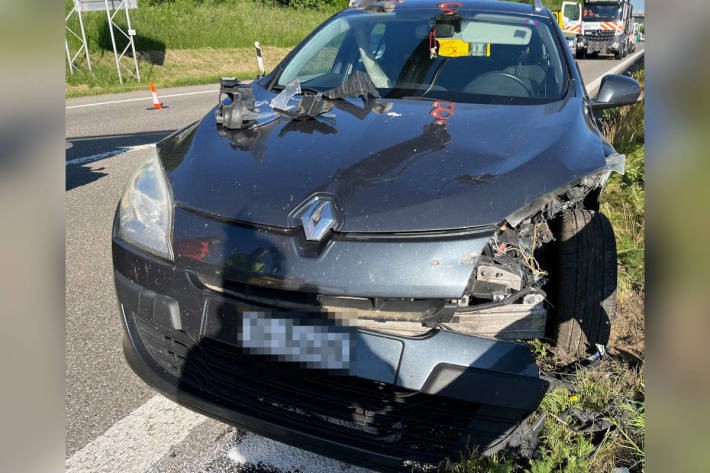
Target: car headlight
pixel 146 209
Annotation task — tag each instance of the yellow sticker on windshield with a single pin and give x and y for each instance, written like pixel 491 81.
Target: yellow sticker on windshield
pixel 453 48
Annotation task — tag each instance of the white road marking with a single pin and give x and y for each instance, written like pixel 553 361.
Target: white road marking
pixel 96 157
pixel 254 450
pixel 138 99
pixel 594 85
pixel 138 440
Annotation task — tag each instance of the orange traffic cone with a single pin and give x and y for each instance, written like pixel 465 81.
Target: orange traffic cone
pixel 156 101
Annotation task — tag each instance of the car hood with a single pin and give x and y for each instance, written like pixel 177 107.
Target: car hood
pixel 387 165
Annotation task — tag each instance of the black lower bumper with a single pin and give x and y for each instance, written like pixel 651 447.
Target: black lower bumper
pixel 396 398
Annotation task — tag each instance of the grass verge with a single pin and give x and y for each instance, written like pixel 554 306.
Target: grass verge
pixel 612 391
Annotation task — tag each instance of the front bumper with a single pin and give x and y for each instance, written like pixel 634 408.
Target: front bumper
pixel 397 399
pixel 601 44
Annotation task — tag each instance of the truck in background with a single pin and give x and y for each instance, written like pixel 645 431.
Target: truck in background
pixel 569 18
pixel 607 28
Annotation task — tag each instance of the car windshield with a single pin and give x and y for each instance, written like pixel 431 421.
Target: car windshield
pixel 602 12
pixel 474 57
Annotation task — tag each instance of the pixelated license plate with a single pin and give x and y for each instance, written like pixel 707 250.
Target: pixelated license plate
pixel 308 339
pixel 294 340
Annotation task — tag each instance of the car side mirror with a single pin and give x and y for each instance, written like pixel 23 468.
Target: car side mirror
pixel 616 91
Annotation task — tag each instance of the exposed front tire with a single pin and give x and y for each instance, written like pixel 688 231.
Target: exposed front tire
pixel 580 54
pixel 586 299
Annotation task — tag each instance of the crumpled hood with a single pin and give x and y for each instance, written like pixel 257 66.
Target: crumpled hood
pixel 388 168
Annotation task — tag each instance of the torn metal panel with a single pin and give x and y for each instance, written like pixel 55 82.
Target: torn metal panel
pixel 310 106
pixel 358 84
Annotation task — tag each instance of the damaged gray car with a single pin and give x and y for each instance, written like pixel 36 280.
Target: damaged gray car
pixel 347 254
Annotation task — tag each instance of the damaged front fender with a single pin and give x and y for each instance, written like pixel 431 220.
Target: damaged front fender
pixel 570 194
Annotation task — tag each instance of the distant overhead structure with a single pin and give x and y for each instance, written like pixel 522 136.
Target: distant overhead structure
pixel 112 8
pixel 71 59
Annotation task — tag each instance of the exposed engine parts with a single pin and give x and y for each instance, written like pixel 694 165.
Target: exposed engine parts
pixel 508 263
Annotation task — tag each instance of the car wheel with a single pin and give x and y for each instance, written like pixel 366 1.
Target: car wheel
pixel 580 54
pixel 618 55
pixel 625 52
pixel 586 297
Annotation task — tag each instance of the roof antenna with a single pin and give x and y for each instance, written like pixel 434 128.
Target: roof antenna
pixel 538 5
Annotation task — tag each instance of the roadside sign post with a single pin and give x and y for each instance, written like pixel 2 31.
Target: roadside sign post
pixel 114 6
pixel 129 35
pixel 84 45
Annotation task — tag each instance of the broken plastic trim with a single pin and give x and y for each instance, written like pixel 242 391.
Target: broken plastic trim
pixel 358 84
pixel 241 110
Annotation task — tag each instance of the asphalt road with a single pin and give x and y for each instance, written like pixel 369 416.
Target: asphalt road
pixel 114 423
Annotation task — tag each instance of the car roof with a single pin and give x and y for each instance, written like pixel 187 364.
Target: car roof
pixel 503 6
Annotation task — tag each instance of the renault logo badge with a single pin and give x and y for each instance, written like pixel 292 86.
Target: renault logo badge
pixel 318 218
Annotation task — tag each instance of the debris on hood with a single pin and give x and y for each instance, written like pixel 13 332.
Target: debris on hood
pixel 283 100
pixel 241 110
pixel 358 85
pixel 310 106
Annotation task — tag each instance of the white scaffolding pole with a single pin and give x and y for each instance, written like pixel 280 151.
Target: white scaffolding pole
pixel 128 35
pixel 84 45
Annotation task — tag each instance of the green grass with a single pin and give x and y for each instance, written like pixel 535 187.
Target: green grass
pixel 227 24
pixel 616 392
pixel 623 198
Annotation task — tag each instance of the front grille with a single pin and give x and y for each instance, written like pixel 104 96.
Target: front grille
pixel 366 414
pixel 599 34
